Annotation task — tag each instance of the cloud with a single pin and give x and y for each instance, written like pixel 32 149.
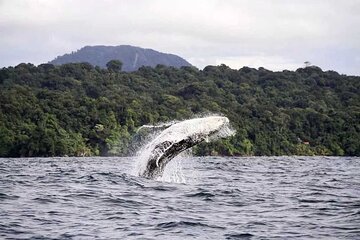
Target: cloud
pixel 277 33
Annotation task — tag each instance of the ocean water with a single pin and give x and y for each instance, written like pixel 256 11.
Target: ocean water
pixel 198 198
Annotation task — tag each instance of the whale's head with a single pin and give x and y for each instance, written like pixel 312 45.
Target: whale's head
pixel 211 125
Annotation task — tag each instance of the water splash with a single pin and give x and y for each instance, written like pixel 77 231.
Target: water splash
pixel 175 137
pixel 174 171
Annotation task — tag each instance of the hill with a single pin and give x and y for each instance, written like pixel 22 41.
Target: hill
pixel 76 109
pixel 131 57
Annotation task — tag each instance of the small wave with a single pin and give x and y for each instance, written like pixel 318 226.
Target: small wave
pixel 116 218
pixel 4 196
pixel 135 234
pixel 201 194
pixel 130 180
pixel 173 224
pixel 80 195
pixel 89 178
pixel 164 188
pixel 230 192
pixel 125 202
pixel 316 201
pixel 43 200
pixel 239 236
pixel 256 223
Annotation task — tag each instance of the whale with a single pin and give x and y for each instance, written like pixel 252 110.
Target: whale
pixel 175 139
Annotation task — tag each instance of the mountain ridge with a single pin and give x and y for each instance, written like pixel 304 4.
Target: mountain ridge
pixel 132 57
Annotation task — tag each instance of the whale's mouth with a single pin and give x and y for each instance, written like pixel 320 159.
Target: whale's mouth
pixel 178 137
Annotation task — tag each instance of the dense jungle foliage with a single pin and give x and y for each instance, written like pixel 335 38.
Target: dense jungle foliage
pixel 80 110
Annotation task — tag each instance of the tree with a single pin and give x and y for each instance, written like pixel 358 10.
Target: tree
pixel 114 65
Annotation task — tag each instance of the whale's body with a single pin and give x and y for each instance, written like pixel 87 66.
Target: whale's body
pixel 177 138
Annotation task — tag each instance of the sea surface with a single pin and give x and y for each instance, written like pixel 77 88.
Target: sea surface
pixel 198 198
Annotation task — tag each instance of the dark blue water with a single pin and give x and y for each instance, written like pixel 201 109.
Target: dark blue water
pixel 223 198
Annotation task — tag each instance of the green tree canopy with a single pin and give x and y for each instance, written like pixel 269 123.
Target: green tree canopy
pixel 114 65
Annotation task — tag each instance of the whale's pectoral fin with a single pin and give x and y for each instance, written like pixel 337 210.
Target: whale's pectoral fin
pixel 163 146
pixel 176 148
pixel 160 149
pixel 164 152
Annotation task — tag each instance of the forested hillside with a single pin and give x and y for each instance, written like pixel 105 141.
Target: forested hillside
pixel 77 109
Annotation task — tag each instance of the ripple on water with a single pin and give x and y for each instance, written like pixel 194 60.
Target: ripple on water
pixel 238 236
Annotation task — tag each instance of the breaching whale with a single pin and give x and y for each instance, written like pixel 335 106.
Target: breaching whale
pixel 177 138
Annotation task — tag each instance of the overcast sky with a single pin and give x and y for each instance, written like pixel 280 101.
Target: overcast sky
pixel 275 34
